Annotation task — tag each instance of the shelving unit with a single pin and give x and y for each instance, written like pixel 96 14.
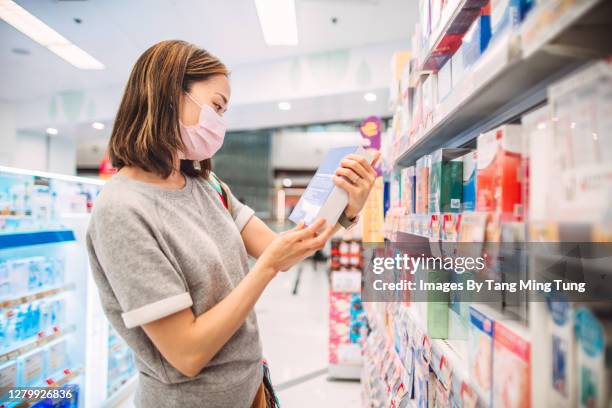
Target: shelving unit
pixel 514 74
pixel 31 297
pixel 36 343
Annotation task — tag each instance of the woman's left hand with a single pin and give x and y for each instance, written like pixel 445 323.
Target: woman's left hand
pixel 356 175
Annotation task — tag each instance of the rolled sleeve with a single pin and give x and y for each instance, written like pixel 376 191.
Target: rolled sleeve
pixel 145 283
pixel 240 213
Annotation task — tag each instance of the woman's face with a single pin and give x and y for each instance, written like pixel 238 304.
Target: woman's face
pixel 214 92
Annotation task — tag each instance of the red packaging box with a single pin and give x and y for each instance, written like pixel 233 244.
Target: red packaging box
pixel 499 181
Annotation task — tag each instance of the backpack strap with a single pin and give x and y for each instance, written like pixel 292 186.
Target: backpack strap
pixel 221 189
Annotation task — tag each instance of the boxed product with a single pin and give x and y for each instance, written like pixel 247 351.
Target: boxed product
pixel 508 13
pixel 458 67
pixel 468 202
pixel 322 198
pixel 408 182
pixel 594 361
pixel 480 350
pixel 459 305
pixel 32 368
pixel 432 305
pixel 582 151
pixel 8 377
pixel 511 365
pixel 445 80
pixel 57 357
pixel 476 39
pixel 430 92
pixel 446 180
pixel 498 178
pixel 422 184
pixel 395 190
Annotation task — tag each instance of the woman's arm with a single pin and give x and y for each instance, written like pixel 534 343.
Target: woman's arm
pixel 189 342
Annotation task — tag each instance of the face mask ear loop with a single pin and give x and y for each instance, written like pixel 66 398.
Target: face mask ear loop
pixel 193 99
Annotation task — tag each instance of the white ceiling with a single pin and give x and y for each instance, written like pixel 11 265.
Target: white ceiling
pixel 116 32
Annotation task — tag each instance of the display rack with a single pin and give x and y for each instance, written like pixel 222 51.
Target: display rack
pixel 512 78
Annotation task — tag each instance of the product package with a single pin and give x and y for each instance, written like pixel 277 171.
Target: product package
pixel 508 14
pixel 446 180
pixel 32 368
pixel 408 182
pixel 8 377
pixel 582 154
pixel 430 92
pixel 445 80
pixel 511 365
pixel 432 305
pixel 476 39
pixel 499 173
pixel 468 202
pixel 594 365
pixel 322 198
pixel 422 184
pixel 480 350
pixel 458 67
pixel 395 190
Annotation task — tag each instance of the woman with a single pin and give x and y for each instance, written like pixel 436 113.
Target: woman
pixel 168 244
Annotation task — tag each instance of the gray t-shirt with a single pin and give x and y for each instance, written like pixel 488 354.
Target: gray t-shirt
pixel 155 252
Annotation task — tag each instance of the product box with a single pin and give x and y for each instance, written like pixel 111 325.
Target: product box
pixel 322 198
pixel 395 190
pixel 8 377
pixel 476 39
pixel 458 67
pixel 511 365
pixel 508 14
pixel 459 305
pixel 430 93
pixel 32 368
pixel 445 80
pixel 422 184
pixel 541 195
pixel 408 182
pixel 582 107
pixel 498 177
pixel 432 305
pixel 480 350
pixel 468 202
pixel 594 362
pixel 446 180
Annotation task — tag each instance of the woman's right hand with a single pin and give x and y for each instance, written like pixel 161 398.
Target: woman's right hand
pixel 294 245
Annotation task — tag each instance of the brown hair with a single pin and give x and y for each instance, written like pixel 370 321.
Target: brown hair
pixel 146 132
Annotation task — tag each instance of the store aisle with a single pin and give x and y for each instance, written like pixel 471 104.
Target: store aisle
pixel 294 335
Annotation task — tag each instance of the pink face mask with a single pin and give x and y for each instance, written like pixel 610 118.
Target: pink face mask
pixel 205 138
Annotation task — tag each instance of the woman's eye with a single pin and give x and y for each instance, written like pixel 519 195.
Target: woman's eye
pixel 218 107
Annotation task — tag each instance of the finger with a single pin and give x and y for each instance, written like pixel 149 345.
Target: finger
pixel 376 159
pixel 357 163
pixel 310 231
pixel 344 184
pixel 323 237
pixel 349 174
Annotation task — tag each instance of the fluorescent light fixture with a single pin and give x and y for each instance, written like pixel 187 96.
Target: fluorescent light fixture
pixel 369 96
pixel 52 131
pixel 278 21
pixel 38 31
pixel 98 125
pixel 285 106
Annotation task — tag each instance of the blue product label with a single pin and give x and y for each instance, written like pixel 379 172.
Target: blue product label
pixel 559 365
pixel 482 322
pixel 469 193
pixel 590 332
pixel 559 310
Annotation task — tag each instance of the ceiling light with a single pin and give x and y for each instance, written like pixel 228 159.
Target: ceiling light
pixel 38 31
pixel 287 182
pixel 278 21
pixel 285 106
pixel 98 125
pixel 369 96
pixel 52 131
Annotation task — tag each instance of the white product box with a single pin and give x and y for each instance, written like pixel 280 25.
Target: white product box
pixel 8 377
pixel 538 138
pixel 322 198
pixel 32 368
pixel 582 149
pixel 430 93
pixel 458 67
pixel 445 80
pixel 480 350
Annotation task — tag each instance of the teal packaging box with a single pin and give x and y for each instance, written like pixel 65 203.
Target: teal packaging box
pixel 446 181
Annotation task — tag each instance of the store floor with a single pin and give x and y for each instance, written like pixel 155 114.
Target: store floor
pixel 294 335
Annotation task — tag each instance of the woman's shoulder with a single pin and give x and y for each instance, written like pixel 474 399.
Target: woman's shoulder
pixel 121 198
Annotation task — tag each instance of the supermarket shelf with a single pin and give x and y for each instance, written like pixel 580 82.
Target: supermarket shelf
pixel 122 392
pixel 455 21
pixel 507 81
pixel 31 297
pixel 33 344
pixel 59 383
pixel 23 239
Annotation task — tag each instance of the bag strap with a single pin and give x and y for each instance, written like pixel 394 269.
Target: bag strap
pixel 222 190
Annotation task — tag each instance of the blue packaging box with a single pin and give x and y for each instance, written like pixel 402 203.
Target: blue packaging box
pixel 476 40
pixel 508 13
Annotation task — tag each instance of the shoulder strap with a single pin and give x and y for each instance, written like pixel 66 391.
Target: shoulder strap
pixel 221 189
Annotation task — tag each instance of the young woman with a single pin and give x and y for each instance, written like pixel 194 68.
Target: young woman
pixel 168 242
